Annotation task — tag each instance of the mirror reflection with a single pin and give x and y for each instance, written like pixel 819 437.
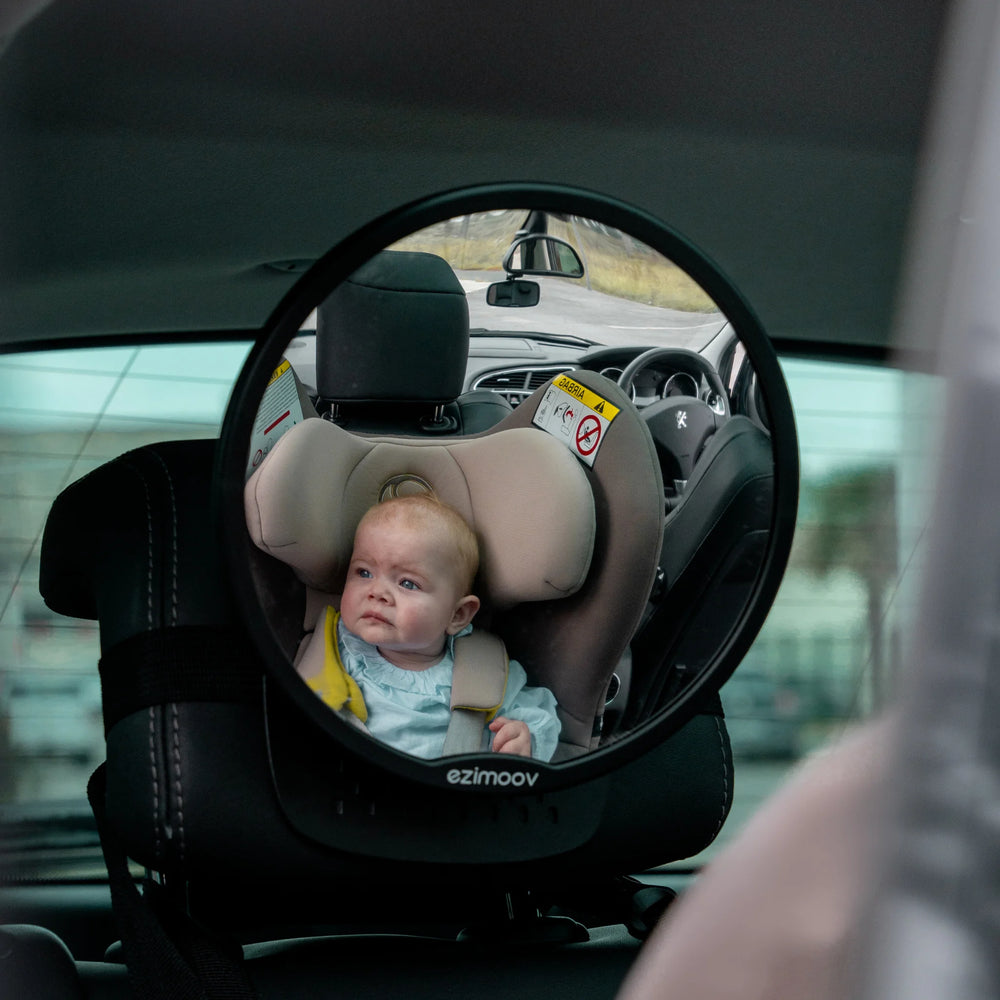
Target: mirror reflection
pixel 521 531
pixel 547 255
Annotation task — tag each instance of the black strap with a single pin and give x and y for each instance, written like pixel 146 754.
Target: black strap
pixel 180 664
pixel 169 956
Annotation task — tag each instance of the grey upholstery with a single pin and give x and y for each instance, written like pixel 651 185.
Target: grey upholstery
pixel 186 740
pixel 525 496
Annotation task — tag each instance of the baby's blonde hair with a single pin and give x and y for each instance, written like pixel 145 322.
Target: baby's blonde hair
pixel 429 508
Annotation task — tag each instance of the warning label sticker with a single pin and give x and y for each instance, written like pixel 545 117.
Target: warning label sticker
pixel 576 415
pixel 280 410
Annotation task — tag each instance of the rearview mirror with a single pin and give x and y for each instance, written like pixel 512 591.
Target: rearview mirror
pixel 514 292
pixel 542 255
pixel 657 335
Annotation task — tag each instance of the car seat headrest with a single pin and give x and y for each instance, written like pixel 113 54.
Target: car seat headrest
pixel 397 329
pixel 523 493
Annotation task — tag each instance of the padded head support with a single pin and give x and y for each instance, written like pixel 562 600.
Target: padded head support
pixel 523 493
pixel 396 330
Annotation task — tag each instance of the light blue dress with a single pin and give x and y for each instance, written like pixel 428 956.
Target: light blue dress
pixel 410 709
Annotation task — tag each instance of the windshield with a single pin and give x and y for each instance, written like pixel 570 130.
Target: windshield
pixel 629 293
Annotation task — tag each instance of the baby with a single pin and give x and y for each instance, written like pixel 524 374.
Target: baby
pixel 406 598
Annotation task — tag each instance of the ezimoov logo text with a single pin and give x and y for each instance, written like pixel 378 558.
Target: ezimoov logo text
pixel 502 779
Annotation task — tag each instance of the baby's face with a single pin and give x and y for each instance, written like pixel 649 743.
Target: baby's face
pixel 402 592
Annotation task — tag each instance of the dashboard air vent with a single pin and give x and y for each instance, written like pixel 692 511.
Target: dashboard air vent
pixel 517 384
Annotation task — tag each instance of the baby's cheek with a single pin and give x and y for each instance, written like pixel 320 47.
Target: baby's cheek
pixel 349 605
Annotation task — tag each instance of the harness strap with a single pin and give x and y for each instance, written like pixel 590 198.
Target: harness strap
pixel 478 685
pixel 465 732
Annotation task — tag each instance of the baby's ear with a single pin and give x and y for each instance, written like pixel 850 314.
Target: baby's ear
pixel 464 612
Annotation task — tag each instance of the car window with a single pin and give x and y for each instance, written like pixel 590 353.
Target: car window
pixel 825 657
pixel 828 653
pixel 62 414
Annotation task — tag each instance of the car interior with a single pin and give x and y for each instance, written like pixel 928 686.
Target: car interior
pixel 658 300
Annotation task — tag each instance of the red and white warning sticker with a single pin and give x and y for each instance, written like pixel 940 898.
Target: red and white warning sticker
pixel 575 415
pixel 280 410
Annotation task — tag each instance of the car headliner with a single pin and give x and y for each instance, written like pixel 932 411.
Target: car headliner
pixel 156 157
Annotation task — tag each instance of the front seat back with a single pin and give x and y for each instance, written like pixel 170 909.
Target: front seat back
pixel 392 346
pixel 190 789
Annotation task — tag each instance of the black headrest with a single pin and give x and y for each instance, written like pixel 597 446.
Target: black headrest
pixel 397 329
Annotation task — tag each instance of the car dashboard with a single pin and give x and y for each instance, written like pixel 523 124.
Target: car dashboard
pixel 514 367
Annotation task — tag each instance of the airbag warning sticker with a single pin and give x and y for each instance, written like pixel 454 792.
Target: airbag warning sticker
pixel 280 410
pixel 575 415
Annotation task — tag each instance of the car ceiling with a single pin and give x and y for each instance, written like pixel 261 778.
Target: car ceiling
pixel 157 157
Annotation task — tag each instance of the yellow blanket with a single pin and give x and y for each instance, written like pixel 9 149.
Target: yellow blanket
pixel 334 684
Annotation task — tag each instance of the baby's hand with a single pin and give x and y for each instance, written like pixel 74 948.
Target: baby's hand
pixel 511 736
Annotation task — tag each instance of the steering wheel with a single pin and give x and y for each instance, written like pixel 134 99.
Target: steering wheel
pixel 680 425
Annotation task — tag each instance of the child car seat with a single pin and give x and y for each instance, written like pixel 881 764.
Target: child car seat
pixel 540 514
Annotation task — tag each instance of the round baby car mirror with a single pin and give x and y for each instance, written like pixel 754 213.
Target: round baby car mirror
pixel 621 451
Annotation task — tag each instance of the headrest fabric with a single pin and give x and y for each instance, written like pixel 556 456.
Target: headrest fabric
pixel 397 329
pixel 523 493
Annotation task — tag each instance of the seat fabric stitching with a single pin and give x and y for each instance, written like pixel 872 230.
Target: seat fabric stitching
pixel 174 555
pixel 725 777
pixel 157 846
pixel 175 725
pixel 149 544
pixel 154 775
pixel 178 785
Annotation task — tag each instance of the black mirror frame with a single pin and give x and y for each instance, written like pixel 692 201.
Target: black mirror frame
pixel 508 775
pixel 514 293
pixel 517 272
